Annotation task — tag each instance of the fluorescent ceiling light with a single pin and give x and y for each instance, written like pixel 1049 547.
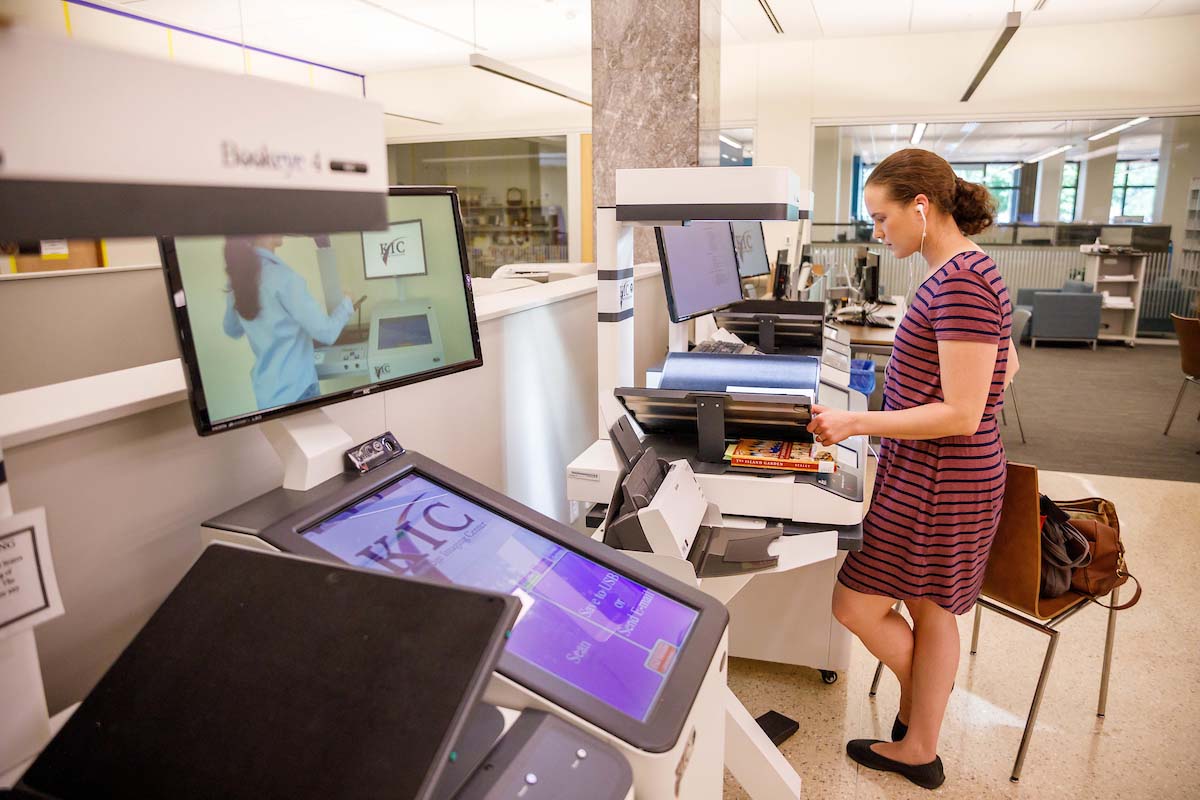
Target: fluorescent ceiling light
pixel 918 132
pixel 1049 153
pixel 1011 23
pixel 519 75
pixel 766 7
pixel 968 127
pixel 1118 128
pixel 730 142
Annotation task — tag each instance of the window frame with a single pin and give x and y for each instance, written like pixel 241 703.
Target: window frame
pixel 1125 186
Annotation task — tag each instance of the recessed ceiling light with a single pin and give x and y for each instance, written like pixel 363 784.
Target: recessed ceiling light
pixel 1118 128
pixel 1049 153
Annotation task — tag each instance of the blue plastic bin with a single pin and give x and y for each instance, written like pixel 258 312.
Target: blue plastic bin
pixel 862 375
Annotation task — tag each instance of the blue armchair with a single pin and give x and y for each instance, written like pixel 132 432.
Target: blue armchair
pixel 1071 313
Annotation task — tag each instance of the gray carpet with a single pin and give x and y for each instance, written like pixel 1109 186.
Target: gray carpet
pixel 1103 412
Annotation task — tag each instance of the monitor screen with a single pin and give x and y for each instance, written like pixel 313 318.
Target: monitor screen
pixel 404 331
pixel 270 325
pixel 751 249
pixel 700 272
pixel 605 634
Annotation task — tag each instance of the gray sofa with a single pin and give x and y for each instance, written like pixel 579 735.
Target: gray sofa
pixel 1071 313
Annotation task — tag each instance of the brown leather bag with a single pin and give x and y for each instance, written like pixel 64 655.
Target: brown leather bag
pixel 1096 519
pixel 1107 569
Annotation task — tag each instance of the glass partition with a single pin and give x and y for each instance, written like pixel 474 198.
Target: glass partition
pixel 513 194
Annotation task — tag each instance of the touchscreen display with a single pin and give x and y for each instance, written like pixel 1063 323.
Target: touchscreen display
pixel 603 633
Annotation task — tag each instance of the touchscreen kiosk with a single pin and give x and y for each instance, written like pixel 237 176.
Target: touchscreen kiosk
pixel 610 640
pixel 699 266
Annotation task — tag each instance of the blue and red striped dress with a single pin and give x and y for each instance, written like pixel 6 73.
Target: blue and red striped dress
pixel 936 503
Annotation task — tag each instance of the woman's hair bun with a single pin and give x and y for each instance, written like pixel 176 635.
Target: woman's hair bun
pixel 974 207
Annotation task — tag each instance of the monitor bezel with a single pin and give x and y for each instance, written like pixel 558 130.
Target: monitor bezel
pixel 664 724
pixel 672 311
pixel 762 239
pixel 206 426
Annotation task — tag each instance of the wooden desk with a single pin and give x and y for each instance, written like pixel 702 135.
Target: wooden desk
pixel 877 341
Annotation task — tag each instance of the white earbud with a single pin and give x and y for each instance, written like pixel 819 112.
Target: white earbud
pixel 921 210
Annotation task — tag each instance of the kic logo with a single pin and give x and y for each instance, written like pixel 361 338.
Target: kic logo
pixel 396 247
pixel 383 369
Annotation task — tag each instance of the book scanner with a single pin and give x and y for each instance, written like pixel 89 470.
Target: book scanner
pixel 659 507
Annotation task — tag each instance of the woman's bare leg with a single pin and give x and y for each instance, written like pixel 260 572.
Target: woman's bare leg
pixel 884 632
pixel 934 665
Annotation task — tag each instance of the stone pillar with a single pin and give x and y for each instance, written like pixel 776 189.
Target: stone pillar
pixel 1096 182
pixel 656 83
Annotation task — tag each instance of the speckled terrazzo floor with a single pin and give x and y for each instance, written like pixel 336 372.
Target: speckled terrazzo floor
pixel 1146 746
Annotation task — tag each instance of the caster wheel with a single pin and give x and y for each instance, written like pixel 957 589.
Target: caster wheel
pixel 829 675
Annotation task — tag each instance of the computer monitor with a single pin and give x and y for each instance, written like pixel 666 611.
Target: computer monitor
pixel 751 249
pixel 273 325
pixel 699 266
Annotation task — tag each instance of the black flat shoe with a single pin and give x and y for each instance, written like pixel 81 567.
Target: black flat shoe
pixel 899 729
pixel 927 776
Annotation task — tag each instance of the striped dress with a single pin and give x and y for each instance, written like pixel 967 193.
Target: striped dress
pixel 936 503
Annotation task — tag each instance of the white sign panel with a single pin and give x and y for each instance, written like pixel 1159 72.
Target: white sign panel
pixel 396 252
pixel 28 588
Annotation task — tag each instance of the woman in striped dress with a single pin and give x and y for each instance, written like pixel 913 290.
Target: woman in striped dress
pixel 939 484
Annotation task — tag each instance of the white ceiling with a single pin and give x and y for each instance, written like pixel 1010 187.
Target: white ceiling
pixel 383 35
pixel 1005 141
pixel 836 19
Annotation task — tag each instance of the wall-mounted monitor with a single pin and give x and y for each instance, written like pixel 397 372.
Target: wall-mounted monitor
pixel 272 325
pixel 751 249
pixel 699 266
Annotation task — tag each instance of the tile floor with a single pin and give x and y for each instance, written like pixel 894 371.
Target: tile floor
pixel 1146 746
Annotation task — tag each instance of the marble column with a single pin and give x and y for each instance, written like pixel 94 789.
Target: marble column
pixel 656 82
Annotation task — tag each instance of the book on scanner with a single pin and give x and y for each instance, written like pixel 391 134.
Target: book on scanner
pixel 786 456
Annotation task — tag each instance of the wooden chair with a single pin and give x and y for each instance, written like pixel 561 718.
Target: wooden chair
pixel 1187 330
pixel 1011 588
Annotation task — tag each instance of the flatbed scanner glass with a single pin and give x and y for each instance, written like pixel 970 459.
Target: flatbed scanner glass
pixel 603 633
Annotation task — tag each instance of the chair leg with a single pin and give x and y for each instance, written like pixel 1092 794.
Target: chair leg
pixel 1012 387
pixel 1178 400
pixel 1108 650
pixel 975 631
pixel 1032 343
pixel 1035 707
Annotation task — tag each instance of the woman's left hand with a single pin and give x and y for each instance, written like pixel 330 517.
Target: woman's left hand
pixel 830 425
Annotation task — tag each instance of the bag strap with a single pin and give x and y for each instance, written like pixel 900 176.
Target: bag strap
pixel 1137 595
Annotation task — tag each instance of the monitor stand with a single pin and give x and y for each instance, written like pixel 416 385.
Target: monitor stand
pixel 311 446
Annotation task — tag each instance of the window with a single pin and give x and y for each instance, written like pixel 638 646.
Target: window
pixel 1133 190
pixel 1069 194
pixel 864 172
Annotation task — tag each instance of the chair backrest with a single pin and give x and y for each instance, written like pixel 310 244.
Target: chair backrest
pixel 1077 287
pixel 1187 329
pixel 1014 570
pixel 1020 319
